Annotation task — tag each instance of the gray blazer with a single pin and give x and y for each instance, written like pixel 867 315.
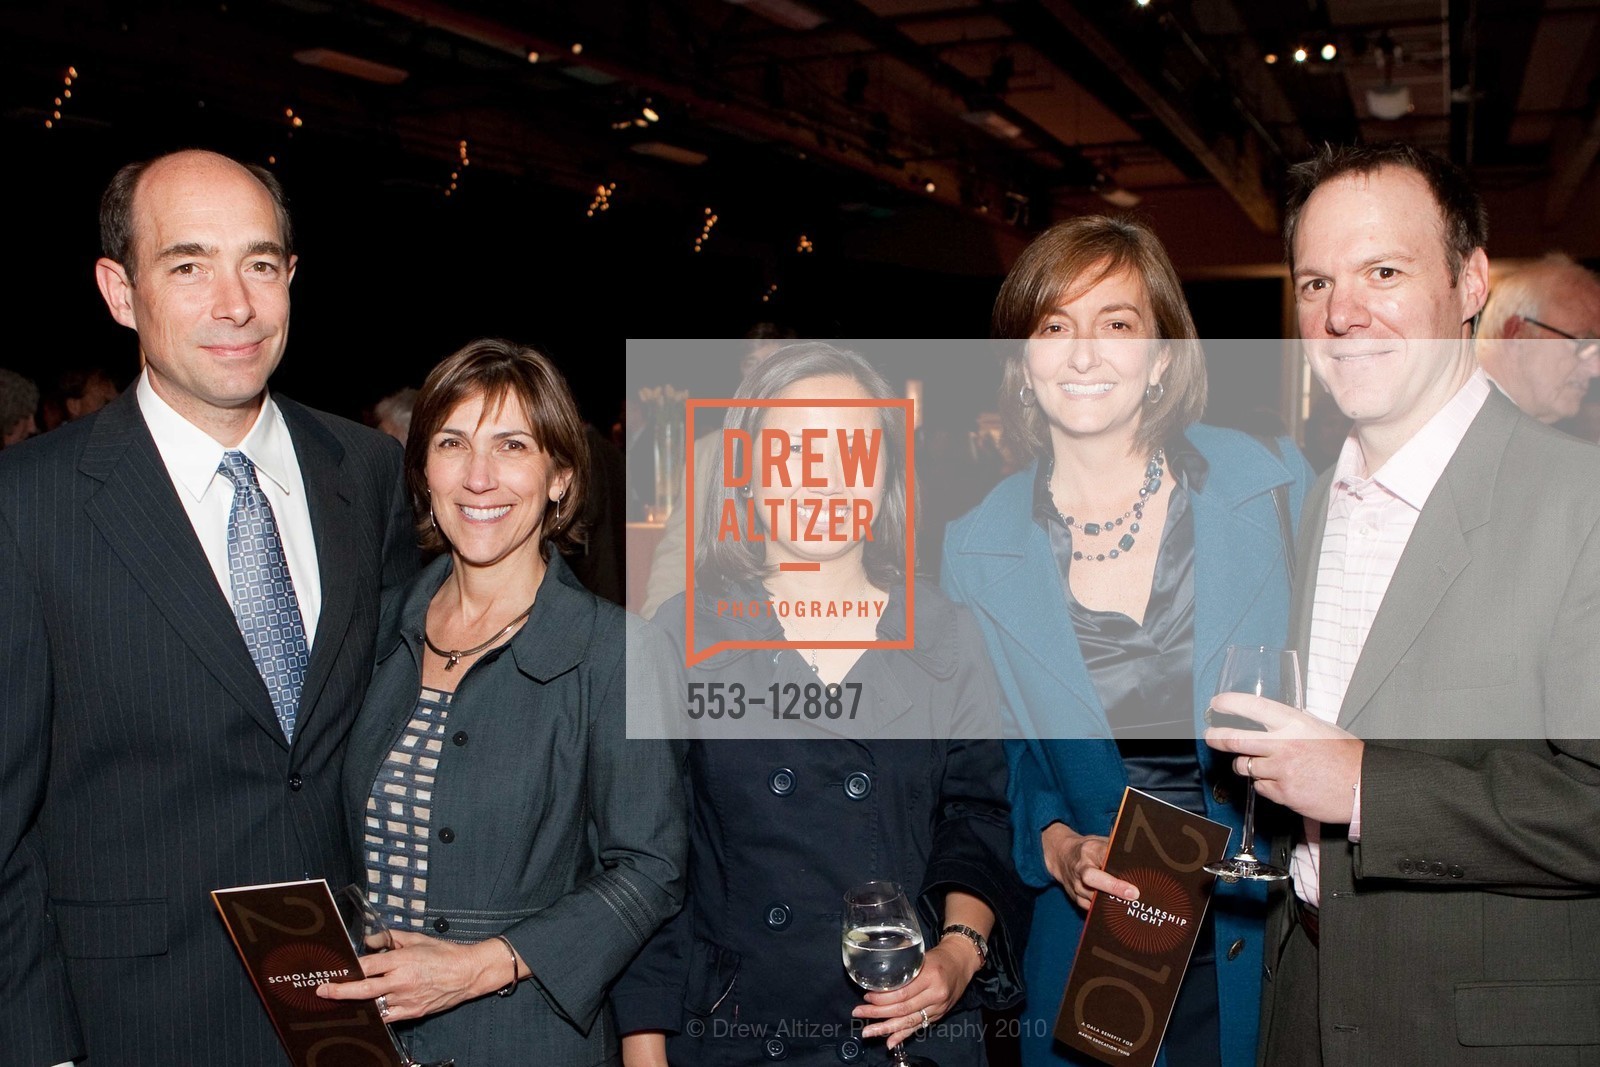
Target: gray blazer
pixel 1464 929
pixel 567 837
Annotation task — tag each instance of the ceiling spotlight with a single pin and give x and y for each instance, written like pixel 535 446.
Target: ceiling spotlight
pixel 1271 58
pixel 1142 3
pixel 1299 55
pixel 1329 51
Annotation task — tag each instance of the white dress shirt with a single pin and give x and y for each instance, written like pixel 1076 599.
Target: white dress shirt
pixel 192 456
pixel 1370 520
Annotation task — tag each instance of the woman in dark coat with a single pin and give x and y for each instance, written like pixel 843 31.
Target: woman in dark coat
pixel 900 779
pixel 513 838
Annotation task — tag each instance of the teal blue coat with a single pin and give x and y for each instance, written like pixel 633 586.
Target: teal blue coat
pixel 997 560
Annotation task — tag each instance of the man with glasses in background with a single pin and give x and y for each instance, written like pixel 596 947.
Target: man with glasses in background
pixel 1537 336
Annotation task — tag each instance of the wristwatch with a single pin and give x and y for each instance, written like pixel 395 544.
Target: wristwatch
pixel 972 935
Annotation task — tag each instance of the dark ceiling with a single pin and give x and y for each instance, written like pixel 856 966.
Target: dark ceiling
pixel 864 119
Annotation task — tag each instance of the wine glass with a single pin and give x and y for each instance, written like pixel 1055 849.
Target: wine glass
pixel 882 946
pixel 1273 673
pixel 369 933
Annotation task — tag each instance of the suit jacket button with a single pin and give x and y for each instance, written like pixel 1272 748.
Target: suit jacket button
pixel 778 916
pixel 1405 866
pixel 775 1049
pixel 858 786
pixel 781 782
pixel 1235 948
pixel 295 782
pixel 460 739
pixel 442 925
pixel 849 1050
pixel 447 835
pixel 1456 871
pixel 1219 793
pixel 1438 869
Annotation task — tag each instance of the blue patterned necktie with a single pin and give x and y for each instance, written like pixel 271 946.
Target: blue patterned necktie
pixel 263 591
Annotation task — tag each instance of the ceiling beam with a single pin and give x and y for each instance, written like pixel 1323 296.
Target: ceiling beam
pixel 1237 171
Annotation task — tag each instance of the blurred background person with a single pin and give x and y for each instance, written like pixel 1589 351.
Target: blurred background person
pixel 77 392
pixel 393 413
pixel 671 555
pixel 508 828
pixel 1121 623
pixel 783 827
pixel 19 401
pixel 1537 336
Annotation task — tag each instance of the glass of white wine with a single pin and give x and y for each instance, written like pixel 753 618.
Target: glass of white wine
pixel 882 946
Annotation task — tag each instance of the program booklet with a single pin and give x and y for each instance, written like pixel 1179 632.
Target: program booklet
pixel 1133 954
pixel 292 939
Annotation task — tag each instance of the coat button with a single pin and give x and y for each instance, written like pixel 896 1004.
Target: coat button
pixel 1235 948
pixel 1405 866
pixel 447 835
pixel 295 782
pixel 778 916
pixel 1456 871
pixel 858 786
pixel 849 1050
pixel 775 1049
pixel 460 738
pixel 1219 793
pixel 781 781
pixel 442 925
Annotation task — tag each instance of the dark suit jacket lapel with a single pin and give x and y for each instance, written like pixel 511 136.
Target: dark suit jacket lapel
pixel 137 510
pixel 321 460
pixel 1435 555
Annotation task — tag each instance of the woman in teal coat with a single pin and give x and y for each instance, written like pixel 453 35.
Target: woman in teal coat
pixel 1107 631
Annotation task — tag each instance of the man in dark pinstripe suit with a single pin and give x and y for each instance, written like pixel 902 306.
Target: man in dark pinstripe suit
pixel 143 759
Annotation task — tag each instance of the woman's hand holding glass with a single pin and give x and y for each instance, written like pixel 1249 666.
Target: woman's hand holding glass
pixel 423 975
pixel 1076 861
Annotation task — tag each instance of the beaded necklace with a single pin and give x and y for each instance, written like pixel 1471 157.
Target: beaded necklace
pixel 1153 472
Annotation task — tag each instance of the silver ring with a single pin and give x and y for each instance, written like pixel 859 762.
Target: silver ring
pixel 924 1018
pixel 383 1005
pixel 1249 766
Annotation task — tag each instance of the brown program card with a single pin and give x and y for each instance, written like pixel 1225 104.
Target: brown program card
pixel 292 940
pixel 1132 955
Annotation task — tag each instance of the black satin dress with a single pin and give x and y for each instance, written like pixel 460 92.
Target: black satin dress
pixel 1144 676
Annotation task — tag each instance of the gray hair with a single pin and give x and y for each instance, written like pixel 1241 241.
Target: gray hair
pixel 1523 292
pixel 19 398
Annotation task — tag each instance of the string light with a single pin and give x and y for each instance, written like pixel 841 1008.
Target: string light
pixel 533 57
pixel 930 187
pixel 1329 51
pixel 1299 55
pixel 295 121
pixel 705 230
pixel 602 199
pixel 772 290
pixel 60 101
pixel 463 162
pixel 805 246
pixel 1271 58
pixel 577 48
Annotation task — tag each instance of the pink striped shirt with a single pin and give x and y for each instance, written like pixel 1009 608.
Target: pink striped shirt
pixel 1370 519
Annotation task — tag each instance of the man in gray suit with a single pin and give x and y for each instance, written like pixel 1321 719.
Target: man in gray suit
pixel 189 594
pixel 1445 906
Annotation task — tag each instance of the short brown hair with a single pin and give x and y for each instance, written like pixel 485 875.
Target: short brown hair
pixel 497 371
pixel 116 210
pixel 1067 259
pixel 884 557
pixel 1461 210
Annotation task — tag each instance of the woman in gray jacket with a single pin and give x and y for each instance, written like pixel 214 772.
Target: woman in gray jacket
pixel 519 845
